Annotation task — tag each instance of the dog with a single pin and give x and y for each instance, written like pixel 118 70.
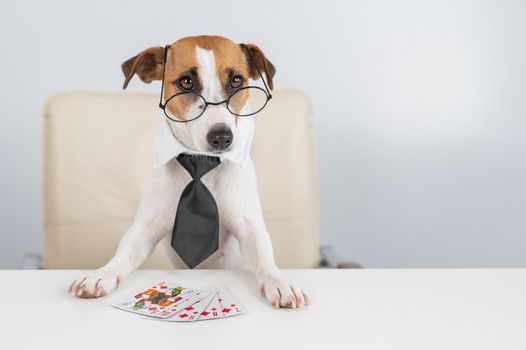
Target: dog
pixel 214 66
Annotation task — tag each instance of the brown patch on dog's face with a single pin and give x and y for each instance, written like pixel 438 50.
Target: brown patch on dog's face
pixel 181 75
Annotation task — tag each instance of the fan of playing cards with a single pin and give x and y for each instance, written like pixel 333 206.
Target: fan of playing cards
pixel 171 302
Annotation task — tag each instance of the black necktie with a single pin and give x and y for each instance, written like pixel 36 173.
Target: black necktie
pixel 196 228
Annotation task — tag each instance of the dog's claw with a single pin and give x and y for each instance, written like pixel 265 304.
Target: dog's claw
pixel 305 296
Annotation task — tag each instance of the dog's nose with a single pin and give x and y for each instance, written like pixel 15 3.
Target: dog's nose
pixel 220 137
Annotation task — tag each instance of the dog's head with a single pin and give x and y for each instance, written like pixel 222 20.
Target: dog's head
pixel 211 66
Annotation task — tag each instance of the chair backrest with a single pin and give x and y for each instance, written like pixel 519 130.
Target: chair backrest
pixel 98 151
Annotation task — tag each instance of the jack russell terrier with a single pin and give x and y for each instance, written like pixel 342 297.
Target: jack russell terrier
pixel 205 88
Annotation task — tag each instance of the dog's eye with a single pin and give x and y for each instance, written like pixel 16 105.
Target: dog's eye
pixel 237 82
pixel 187 83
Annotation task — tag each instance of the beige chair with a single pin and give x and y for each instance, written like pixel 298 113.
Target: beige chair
pixel 98 150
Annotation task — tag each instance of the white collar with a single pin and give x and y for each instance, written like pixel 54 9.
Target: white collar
pixel 167 146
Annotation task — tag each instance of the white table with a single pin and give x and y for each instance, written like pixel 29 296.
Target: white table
pixel 350 309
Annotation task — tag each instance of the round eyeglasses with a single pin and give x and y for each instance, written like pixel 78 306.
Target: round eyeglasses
pixel 192 105
pixel 186 106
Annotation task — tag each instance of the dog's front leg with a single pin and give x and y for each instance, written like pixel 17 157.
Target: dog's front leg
pixel 152 222
pixel 136 245
pixel 256 248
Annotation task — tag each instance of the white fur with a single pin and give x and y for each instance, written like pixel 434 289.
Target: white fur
pixel 207 72
pixel 244 240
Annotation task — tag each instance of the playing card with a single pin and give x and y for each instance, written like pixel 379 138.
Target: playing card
pixel 188 303
pixel 170 302
pixel 229 306
pixel 193 311
pixel 155 299
pixel 213 310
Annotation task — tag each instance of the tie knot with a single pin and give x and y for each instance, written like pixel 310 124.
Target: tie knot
pixel 198 165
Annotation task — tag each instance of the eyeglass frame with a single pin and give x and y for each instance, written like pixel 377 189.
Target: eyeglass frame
pixel 226 101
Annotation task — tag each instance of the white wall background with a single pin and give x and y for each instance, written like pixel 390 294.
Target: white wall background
pixel 421 111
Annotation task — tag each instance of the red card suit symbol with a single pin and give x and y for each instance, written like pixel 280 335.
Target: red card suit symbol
pixel 183 315
pixel 189 308
pixel 226 311
pixel 204 313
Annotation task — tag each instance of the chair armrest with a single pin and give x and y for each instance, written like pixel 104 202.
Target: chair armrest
pixel 32 261
pixel 330 259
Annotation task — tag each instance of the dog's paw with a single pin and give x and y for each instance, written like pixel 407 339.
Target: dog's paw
pixel 283 293
pixel 95 284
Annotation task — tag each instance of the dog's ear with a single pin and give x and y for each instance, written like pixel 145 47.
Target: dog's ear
pixel 263 64
pixel 148 65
